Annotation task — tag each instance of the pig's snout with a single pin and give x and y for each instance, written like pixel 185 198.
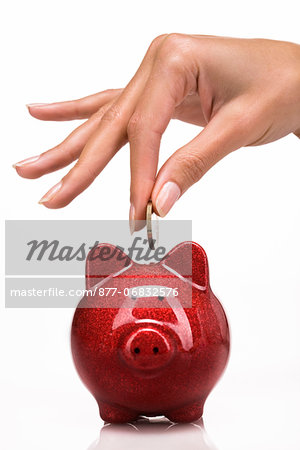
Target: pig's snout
pixel 148 349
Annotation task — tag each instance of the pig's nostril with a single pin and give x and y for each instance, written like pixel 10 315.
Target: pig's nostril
pixel 147 349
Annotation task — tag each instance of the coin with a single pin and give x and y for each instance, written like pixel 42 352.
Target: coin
pixel 149 211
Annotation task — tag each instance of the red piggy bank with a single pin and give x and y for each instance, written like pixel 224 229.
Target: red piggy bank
pixel 149 339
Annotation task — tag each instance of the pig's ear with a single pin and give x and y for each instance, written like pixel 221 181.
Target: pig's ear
pixel 104 260
pixel 189 260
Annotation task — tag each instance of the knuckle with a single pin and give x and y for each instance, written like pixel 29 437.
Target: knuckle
pixel 193 166
pixel 174 50
pixel 157 41
pixel 78 109
pixel 100 113
pixel 91 171
pixel 113 114
pixel 88 169
pixel 135 125
pixel 62 152
pixel 70 154
pixel 175 39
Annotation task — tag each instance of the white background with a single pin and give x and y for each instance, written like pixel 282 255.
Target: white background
pixel 245 214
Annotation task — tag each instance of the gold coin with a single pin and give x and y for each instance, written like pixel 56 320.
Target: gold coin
pixel 149 211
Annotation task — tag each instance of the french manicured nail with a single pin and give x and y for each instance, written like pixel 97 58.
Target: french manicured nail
pixel 50 194
pixel 29 105
pixel 166 198
pixel 132 219
pixel 26 161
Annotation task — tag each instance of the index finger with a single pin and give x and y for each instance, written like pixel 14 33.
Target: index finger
pixel 151 117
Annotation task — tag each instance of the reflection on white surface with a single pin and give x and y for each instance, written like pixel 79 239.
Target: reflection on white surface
pixel 151 434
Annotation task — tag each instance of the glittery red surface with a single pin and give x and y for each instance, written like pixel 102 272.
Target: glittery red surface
pixel 154 356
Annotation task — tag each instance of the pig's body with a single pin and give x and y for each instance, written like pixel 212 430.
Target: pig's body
pixel 152 356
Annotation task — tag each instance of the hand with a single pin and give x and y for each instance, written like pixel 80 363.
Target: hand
pixel 242 91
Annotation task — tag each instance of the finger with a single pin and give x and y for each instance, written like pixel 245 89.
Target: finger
pixel 104 143
pixel 73 109
pixel 63 154
pixel 152 115
pixel 226 132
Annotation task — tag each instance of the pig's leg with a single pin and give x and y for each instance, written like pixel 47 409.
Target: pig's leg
pixel 115 414
pixel 189 413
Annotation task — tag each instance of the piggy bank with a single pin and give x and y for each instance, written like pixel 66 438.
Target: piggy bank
pixel 149 339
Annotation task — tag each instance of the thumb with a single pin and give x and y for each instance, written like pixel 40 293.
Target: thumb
pixel 226 132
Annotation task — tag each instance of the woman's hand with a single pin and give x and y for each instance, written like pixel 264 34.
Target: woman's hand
pixel 242 91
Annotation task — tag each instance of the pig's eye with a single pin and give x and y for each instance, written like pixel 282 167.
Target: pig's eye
pixel 160 297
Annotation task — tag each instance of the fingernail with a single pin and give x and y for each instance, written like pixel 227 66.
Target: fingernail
pixel 29 105
pixel 26 161
pixel 166 198
pixel 131 219
pixel 50 194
